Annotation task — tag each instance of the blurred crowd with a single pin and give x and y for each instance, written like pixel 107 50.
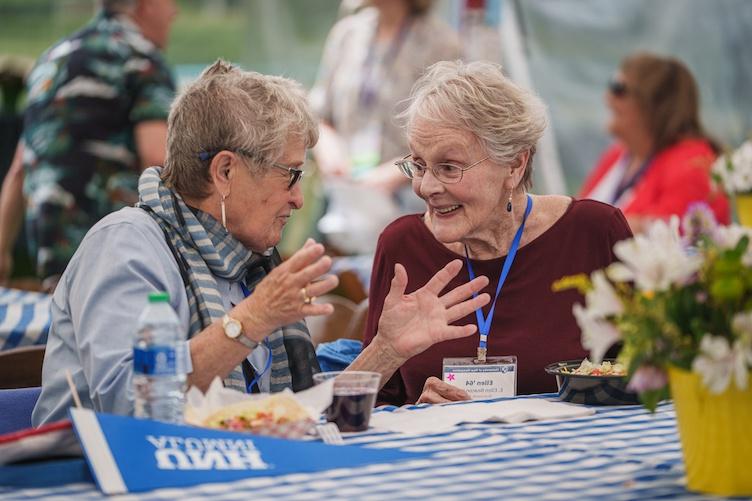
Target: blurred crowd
pixel 97 103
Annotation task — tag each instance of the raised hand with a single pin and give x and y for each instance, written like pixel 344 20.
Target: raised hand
pixel 411 323
pixel 287 294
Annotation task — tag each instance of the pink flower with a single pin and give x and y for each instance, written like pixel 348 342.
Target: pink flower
pixel 698 221
pixel 647 377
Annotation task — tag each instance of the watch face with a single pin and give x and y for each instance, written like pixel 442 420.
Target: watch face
pixel 232 328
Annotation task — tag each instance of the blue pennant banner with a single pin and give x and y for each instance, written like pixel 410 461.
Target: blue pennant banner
pixel 126 454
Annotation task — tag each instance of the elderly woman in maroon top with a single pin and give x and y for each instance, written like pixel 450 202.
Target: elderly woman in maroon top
pixel 472 134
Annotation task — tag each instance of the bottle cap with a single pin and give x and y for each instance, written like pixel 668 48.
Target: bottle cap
pixel 159 297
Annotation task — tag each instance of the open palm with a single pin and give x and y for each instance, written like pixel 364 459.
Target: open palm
pixel 411 323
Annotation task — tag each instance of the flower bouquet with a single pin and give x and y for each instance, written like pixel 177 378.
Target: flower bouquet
pixel 734 172
pixel 682 310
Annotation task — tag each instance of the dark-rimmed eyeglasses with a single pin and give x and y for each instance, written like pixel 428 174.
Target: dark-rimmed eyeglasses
pixel 617 88
pixel 294 173
pixel 445 172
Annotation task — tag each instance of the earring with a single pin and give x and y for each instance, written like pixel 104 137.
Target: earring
pixel 222 209
pixel 509 202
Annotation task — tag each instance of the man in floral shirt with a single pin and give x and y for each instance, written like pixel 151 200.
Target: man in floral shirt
pixel 96 115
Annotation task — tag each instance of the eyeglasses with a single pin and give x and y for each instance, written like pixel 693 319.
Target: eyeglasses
pixel 294 173
pixel 445 172
pixel 617 88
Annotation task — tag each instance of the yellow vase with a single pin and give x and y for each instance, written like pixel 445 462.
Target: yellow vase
pixel 716 435
pixel 744 209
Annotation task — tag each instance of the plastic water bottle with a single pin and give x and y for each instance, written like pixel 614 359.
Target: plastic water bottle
pixel 159 363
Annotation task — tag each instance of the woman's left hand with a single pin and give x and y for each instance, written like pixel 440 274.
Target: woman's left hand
pixel 411 323
pixel 436 391
pixel 288 292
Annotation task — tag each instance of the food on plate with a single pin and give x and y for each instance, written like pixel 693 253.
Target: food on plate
pixel 252 415
pixel 587 368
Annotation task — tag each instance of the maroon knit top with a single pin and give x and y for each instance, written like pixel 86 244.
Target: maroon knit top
pixel 531 321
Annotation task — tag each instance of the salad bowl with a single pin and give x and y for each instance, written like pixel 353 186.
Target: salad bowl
pixel 581 382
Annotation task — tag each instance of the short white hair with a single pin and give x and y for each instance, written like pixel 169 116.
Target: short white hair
pixel 507 119
pixel 227 108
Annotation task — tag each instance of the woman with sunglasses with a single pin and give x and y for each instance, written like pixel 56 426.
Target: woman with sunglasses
pixel 472 135
pixel 205 231
pixel 660 163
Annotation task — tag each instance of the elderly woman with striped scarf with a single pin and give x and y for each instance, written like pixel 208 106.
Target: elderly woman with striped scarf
pixel 204 230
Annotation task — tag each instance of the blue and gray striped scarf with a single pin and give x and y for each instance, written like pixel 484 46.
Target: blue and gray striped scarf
pixel 207 250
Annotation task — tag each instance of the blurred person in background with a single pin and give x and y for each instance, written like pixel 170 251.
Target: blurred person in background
pixel 371 59
pixel 472 134
pixel 660 163
pixel 97 104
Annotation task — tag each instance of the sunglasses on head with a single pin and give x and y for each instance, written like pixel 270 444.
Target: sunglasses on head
pixel 617 88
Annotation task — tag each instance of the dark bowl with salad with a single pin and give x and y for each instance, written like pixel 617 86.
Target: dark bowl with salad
pixel 581 382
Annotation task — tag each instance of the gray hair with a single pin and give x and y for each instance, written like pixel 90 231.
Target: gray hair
pixel 118 6
pixel 506 119
pixel 230 109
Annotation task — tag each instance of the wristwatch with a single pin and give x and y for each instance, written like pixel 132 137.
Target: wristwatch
pixel 234 330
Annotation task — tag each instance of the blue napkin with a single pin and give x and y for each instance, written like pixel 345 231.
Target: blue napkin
pixel 337 355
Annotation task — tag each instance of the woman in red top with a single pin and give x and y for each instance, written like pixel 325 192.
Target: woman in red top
pixel 662 159
pixel 472 134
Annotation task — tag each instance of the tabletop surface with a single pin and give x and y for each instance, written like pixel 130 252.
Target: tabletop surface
pixel 617 453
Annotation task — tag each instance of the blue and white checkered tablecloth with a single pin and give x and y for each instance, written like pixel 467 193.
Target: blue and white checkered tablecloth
pixel 24 318
pixel 617 453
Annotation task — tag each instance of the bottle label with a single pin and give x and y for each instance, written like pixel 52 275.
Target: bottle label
pixel 155 361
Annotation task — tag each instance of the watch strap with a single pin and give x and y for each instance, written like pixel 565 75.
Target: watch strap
pixel 246 341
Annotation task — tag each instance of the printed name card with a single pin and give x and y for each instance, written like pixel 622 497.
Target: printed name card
pixel 126 454
pixel 496 377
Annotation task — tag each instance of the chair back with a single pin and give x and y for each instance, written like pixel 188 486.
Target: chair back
pixel 327 328
pixel 16 406
pixel 21 367
pixel 356 329
pixel 351 286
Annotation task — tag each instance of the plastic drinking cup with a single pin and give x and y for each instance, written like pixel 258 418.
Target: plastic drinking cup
pixel 353 400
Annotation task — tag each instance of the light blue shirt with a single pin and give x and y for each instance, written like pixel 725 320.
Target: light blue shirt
pixel 95 309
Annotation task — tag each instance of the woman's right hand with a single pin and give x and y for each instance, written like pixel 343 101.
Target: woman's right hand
pixel 280 298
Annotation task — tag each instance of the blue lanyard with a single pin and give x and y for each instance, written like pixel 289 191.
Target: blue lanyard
pixel 484 324
pixel 249 386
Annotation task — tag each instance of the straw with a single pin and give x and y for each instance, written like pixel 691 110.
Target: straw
pixel 73 388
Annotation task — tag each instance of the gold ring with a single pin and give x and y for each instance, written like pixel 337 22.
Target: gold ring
pixel 306 298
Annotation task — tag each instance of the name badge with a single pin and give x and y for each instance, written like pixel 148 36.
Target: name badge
pixel 497 377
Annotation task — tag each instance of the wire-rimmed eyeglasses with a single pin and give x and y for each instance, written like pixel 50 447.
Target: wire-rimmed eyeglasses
pixel 294 173
pixel 445 172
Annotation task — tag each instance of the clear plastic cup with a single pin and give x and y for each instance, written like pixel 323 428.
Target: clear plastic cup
pixel 353 400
